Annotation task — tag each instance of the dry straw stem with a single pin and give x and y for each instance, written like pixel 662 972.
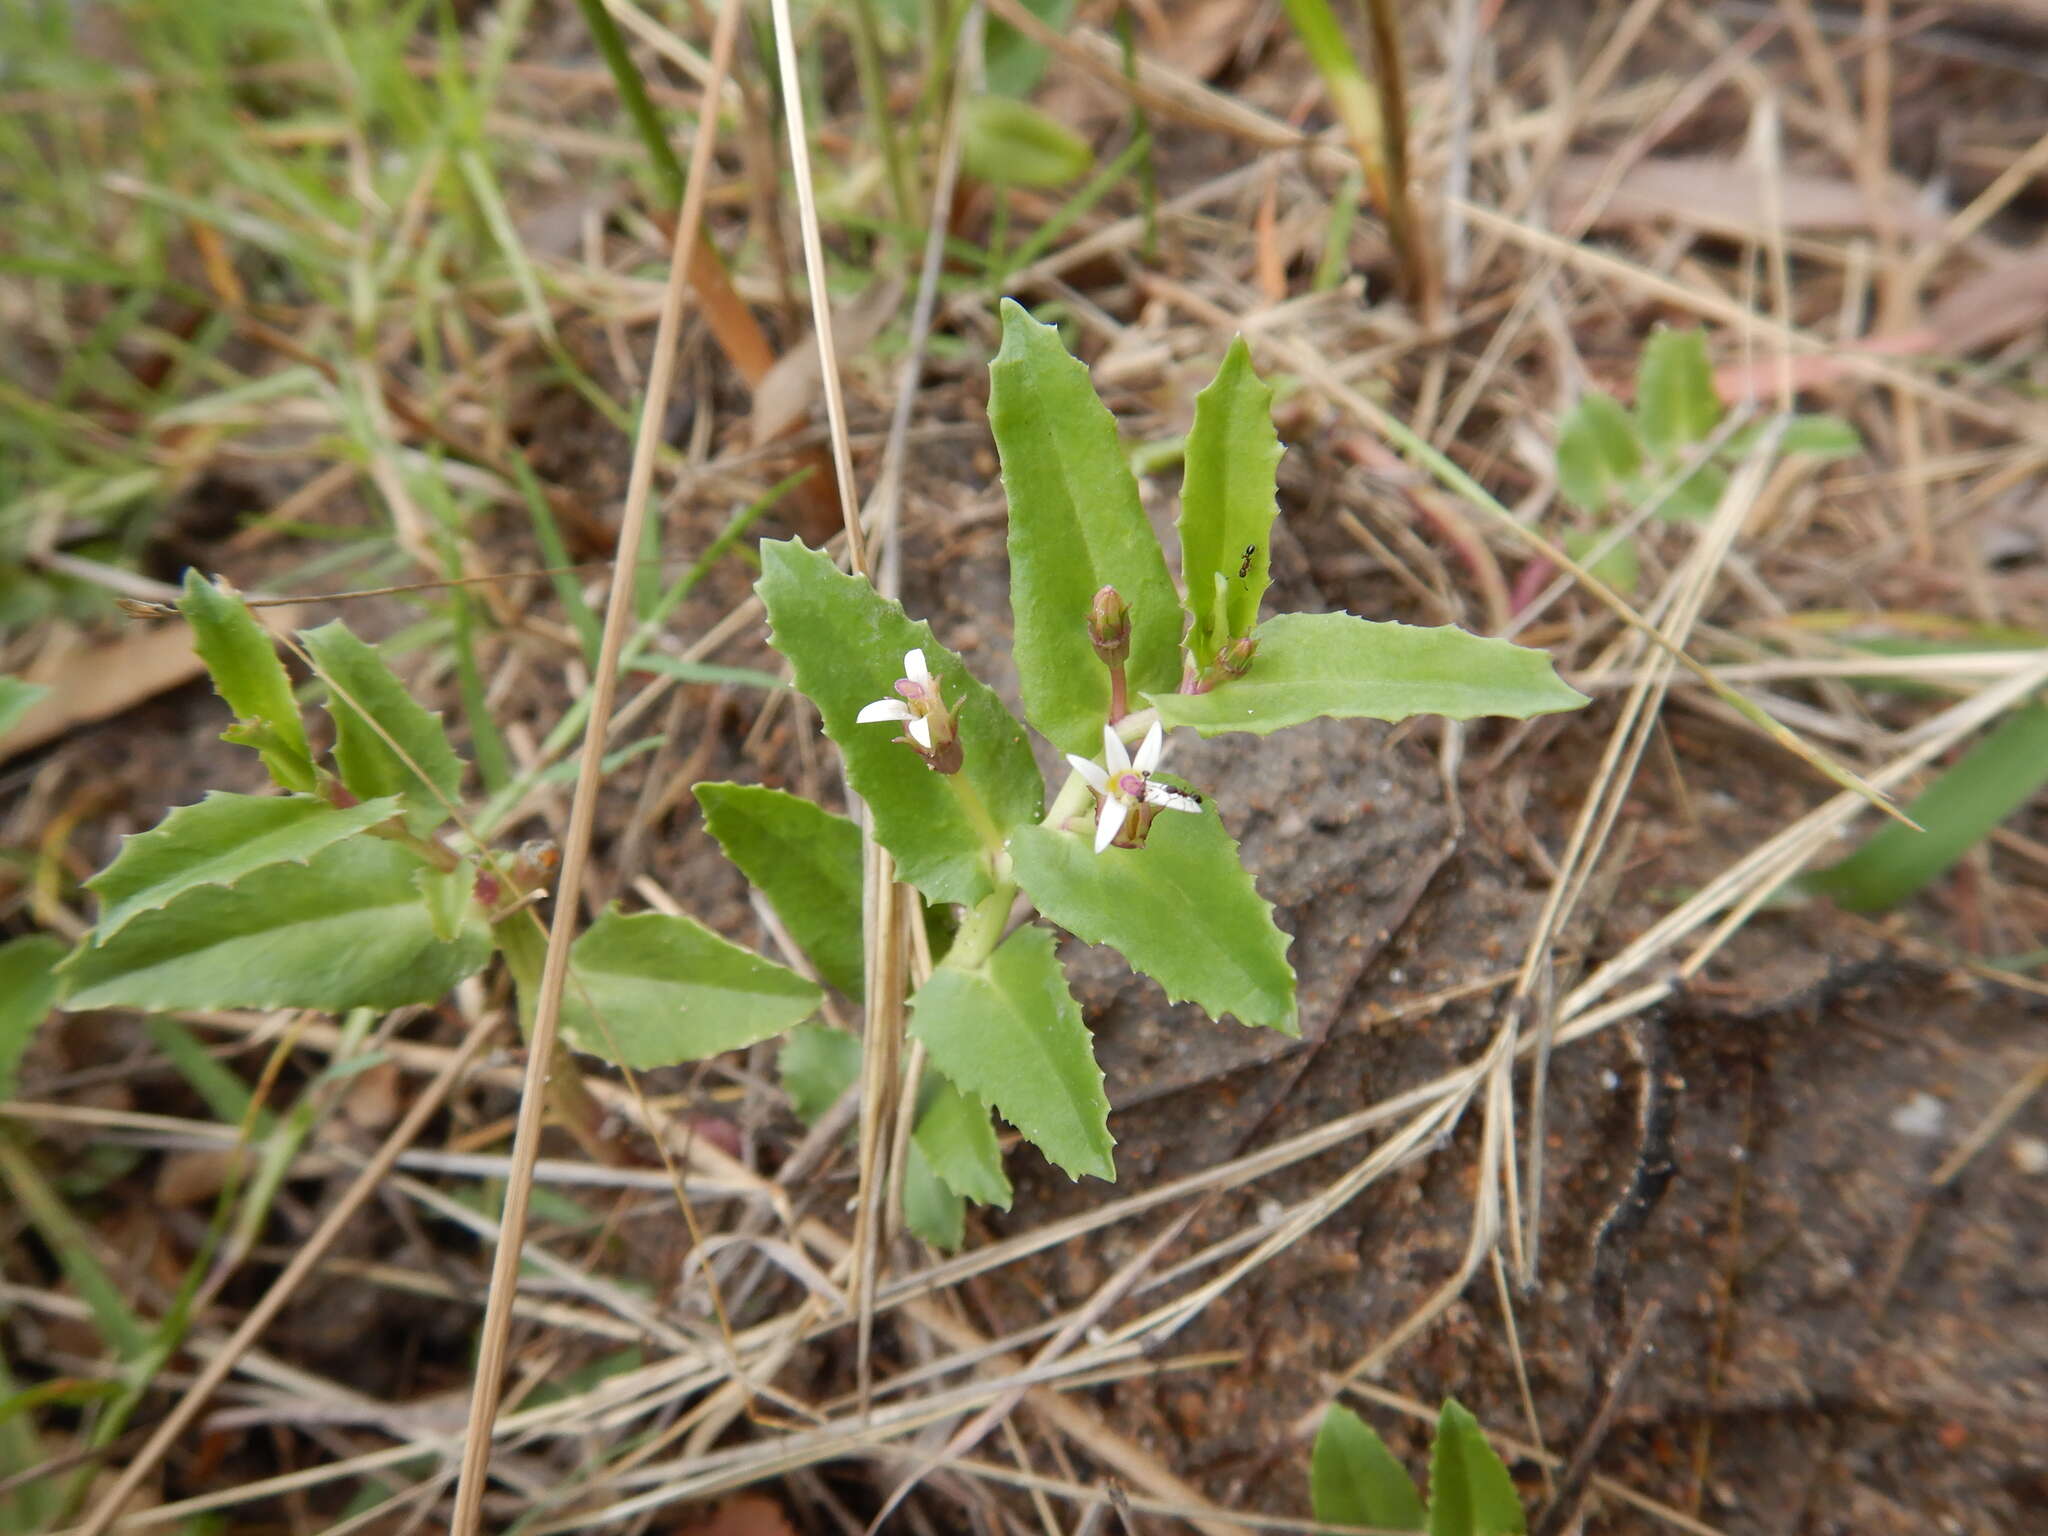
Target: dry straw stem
pixel 497 1326
pixel 883 905
pixel 1635 724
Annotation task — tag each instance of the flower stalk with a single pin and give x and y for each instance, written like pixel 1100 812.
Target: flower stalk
pixel 1109 631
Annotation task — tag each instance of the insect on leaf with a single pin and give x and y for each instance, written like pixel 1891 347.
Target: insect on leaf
pixel 1335 664
pixel 1076 525
pixel 1228 501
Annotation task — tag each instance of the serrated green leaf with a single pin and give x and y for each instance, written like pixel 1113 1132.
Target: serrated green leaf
pixel 242 659
pixel 17 698
pixel 1228 500
pixel 846 643
pixel 1182 909
pixel 805 861
pixel 1995 778
pixel 1676 403
pixel 1335 664
pixel 216 842
pixel 428 775
pixel 346 929
pixel 1011 143
pixel 1355 1480
pixel 959 1141
pixel 1470 1492
pixel 1597 449
pixel 1076 525
pixel 28 991
pixel 650 990
pixel 932 1210
pixel 1009 1032
pixel 817 1064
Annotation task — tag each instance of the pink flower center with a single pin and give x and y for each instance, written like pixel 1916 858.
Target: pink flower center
pixel 913 690
pixel 1131 785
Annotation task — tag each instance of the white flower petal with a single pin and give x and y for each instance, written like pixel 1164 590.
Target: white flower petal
pixel 1113 752
pixel 914 667
pixel 921 731
pixel 1110 822
pixel 1174 800
pixel 1150 749
pixel 882 709
pixel 1092 772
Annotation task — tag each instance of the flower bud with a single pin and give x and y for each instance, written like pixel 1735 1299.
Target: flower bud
pixel 1109 627
pixel 1235 659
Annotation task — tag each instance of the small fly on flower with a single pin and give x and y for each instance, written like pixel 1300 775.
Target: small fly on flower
pixel 1130 797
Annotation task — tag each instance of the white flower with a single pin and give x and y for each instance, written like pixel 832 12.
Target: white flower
pixel 914 709
pixel 1129 793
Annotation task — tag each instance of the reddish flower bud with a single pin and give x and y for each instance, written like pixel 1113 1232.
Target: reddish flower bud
pixel 1235 659
pixel 1109 627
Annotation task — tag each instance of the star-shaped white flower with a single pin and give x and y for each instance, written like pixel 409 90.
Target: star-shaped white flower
pixel 1126 786
pixel 914 709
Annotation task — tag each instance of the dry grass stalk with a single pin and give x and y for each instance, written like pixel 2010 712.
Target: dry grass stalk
pixel 491 1353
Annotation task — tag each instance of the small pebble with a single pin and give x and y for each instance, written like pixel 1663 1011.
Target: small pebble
pixel 1270 1212
pixel 1920 1116
pixel 1610 1079
pixel 2030 1154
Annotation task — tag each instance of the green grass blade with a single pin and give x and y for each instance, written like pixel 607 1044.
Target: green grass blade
pixel 1995 778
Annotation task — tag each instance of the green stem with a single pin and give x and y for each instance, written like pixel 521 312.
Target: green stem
pixel 1141 133
pixel 874 87
pixel 982 929
pixel 524 944
pixel 668 169
pixel 977 813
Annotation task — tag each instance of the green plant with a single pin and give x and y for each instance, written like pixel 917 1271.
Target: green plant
pixel 1375 117
pixel 1997 777
pixel 1668 455
pixel 351 889
pixel 1355 1480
